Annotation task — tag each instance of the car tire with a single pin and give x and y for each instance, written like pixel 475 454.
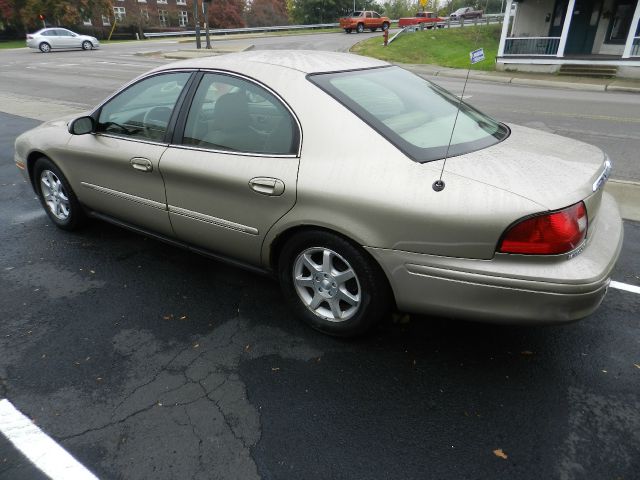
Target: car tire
pixel 87 45
pixel 56 196
pixel 44 47
pixel 360 28
pixel 385 26
pixel 332 284
pixel 347 30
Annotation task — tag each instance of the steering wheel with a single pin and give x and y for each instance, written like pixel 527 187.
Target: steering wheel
pixel 155 122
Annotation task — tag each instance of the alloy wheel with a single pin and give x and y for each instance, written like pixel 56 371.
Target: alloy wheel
pixel 54 195
pixel 327 285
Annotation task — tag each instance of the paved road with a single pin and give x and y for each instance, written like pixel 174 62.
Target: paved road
pixel 145 361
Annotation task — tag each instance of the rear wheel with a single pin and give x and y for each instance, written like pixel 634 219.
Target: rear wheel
pixel 56 195
pixel 360 28
pixel 332 285
pixel 87 45
pixel 44 47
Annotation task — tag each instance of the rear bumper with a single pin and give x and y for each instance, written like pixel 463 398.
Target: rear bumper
pixel 515 289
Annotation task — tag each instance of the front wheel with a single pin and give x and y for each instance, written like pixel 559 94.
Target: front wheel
pixel 333 285
pixel 56 195
pixel 360 28
pixel 44 47
pixel 385 26
pixel 87 45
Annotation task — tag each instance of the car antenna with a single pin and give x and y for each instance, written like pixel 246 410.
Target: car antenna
pixel 439 184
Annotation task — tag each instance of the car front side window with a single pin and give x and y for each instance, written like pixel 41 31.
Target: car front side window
pixel 233 114
pixel 143 110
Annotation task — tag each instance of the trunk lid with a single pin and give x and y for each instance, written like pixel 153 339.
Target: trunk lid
pixel 548 169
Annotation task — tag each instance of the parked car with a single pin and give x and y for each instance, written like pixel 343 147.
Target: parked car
pixel 429 19
pixel 323 170
pixel 466 13
pixel 48 39
pixel 360 20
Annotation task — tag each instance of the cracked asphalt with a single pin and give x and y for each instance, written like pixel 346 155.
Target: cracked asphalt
pixel 149 362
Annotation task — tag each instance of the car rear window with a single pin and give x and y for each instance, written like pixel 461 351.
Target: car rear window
pixel 414 114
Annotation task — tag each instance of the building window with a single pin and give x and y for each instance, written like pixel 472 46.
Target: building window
pixel 87 22
pixel 162 1
pixel 183 18
pixel 164 17
pixel 181 2
pixel 106 21
pixel 142 1
pixel 620 22
pixel 144 14
pixel 119 13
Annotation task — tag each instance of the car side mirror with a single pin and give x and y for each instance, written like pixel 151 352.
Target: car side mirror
pixel 82 126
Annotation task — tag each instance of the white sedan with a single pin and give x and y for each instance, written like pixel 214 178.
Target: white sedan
pixel 60 38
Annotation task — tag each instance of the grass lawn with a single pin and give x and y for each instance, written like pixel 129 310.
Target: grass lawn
pixel 448 47
pixel 13 44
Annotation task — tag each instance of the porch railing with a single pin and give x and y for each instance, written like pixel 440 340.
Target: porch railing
pixel 635 47
pixel 532 46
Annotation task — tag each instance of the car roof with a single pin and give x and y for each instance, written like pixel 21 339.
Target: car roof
pixel 305 61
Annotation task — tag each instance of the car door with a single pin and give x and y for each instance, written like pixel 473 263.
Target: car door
pixel 232 173
pixel 62 38
pixel 117 167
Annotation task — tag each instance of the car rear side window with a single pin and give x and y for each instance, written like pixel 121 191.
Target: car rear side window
pixel 412 113
pixel 143 110
pixel 229 113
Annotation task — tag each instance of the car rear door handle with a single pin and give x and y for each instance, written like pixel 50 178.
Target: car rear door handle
pixel 267 186
pixel 142 164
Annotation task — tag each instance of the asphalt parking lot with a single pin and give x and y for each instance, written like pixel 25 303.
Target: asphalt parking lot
pixel 146 361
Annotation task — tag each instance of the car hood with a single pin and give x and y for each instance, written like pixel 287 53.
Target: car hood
pixel 548 169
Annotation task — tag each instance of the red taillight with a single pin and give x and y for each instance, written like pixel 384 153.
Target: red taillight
pixel 547 234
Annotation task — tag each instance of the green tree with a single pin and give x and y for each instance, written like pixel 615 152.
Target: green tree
pixel 326 11
pixel 62 12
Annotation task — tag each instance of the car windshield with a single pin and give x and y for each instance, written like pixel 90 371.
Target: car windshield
pixel 414 114
pixel 460 10
pixel 355 14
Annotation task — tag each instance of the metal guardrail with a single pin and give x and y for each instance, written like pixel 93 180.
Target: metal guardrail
pixel 492 18
pixel 538 46
pixel 227 31
pixel 448 23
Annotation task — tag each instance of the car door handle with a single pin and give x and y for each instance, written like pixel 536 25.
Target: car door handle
pixel 142 164
pixel 267 186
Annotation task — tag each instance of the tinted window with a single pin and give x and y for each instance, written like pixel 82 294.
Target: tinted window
pixel 230 113
pixel 412 113
pixel 143 110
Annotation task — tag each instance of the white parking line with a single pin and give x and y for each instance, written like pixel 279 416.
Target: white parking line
pixel 49 457
pixel 624 286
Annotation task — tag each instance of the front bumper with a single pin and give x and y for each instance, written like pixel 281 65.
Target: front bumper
pixel 515 289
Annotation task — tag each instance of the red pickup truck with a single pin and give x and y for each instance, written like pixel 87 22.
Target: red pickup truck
pixel 360 20
pixel 431 19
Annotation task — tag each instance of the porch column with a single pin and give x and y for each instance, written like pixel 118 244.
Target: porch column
pixel 632 32
pixel 565 28
pixel 505 28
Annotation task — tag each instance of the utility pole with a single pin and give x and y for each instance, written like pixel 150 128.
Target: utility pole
pixel 205 11
pixel 196 21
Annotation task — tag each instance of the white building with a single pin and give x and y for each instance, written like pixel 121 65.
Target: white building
pixel 545 35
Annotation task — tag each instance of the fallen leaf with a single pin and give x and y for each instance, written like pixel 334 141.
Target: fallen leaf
pixel 183 317
pixel 99 379
pixel 500 453
pixel 636 365
pixel 196 345
pixel 275 369
pixel 247 348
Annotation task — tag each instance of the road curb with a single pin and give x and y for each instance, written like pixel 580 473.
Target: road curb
pixel 627 194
